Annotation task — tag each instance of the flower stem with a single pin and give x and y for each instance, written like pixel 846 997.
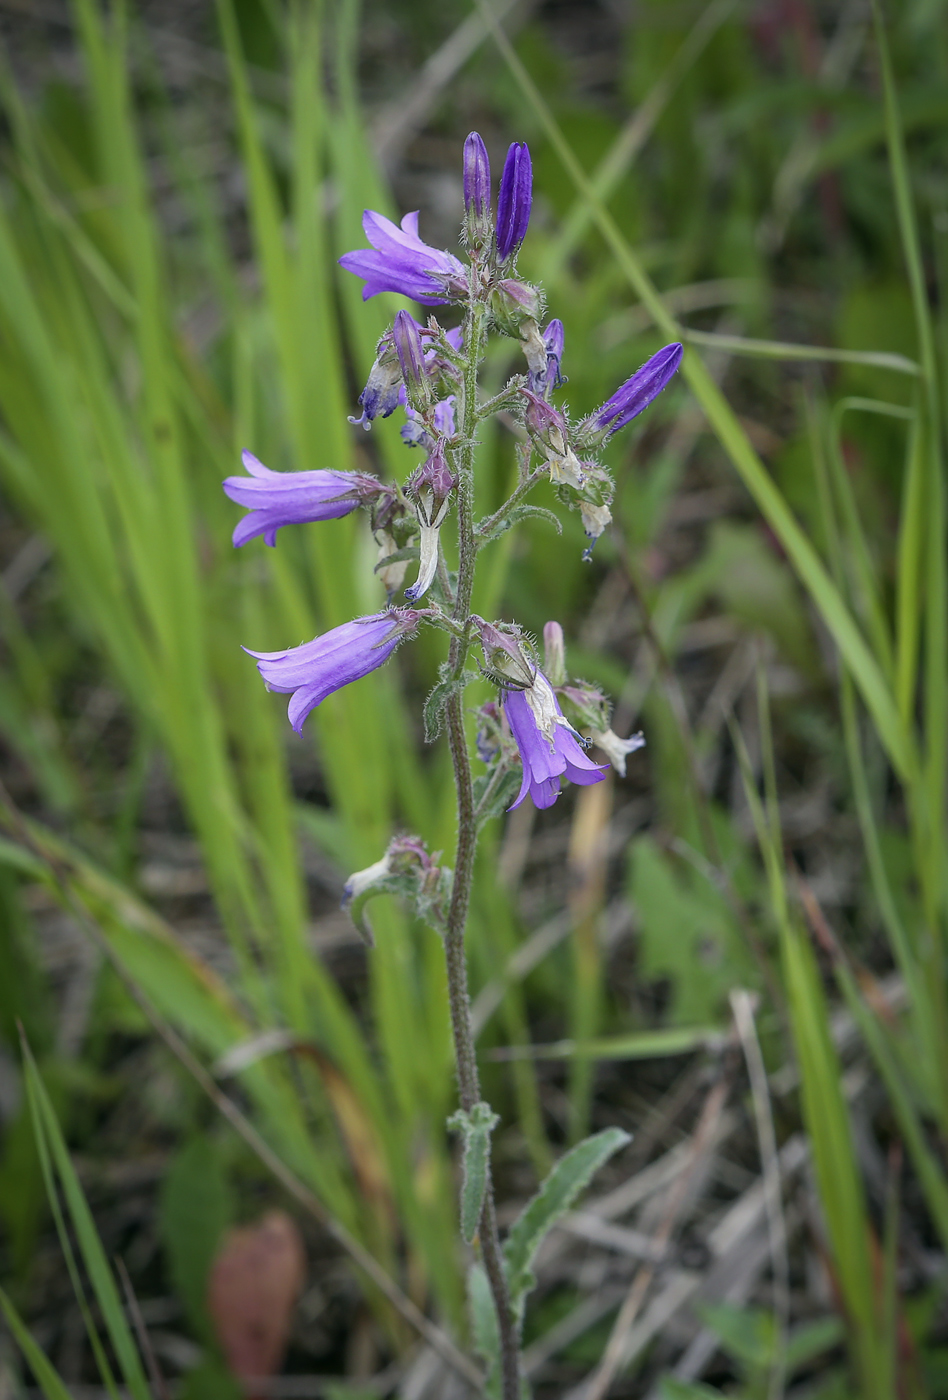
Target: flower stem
pixel 459 1000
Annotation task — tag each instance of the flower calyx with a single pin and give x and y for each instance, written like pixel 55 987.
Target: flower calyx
pixel 548 429
pixel 509 657
pixel 429 489
pixel 408 869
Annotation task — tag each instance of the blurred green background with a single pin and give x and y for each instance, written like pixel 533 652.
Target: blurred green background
pixel 768 181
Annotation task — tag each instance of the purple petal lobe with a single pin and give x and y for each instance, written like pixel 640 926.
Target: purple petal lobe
pixel 514 200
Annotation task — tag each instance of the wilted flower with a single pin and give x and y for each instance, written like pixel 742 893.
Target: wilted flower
pixel 549 745
pixel 398 261
pixel 617 750
pixel 294 498
pixel 547 426
pixel 430 487
pixel 383 390
pixel 392 575
pixel 514 200
pixel 314 670
pixel 595 519
pixel 633 396
pixel 546 376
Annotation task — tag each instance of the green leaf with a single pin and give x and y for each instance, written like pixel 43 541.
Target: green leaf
pixel 564 1183
pixel 195 1209
pixel 670 1388
pixel 49 1381
pixel 476 1128
pixel 484 1328
pixel 436 702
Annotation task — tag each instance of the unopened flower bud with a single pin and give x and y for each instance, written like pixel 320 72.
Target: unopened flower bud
pixel 411 358
pixel 514 201
pixel 632 397
pixel 476 191
pixel 554 654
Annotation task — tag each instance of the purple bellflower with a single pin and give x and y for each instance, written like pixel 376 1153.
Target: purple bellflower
pixel 294 498
pixel 314 670
pixel 398 261
pixel 514 200
pixel 549 746
pixel 634 395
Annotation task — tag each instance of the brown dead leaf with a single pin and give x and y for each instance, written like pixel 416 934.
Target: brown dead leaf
pixel 254 1283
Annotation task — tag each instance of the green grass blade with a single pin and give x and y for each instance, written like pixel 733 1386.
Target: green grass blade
pixel 106 1291
pixel 44 1371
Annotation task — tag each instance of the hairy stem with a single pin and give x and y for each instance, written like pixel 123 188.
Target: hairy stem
pixel 465 1056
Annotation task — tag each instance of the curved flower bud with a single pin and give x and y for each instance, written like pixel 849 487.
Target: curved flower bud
pixel 632 397
pixel 314 670
pixel 398 261
pixel 294 498
pixel 476 191
pixel 430 488
pixel 549 746
pixel 514 200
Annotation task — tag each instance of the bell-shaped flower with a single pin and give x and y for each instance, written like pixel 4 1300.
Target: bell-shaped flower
pixel 632 397
pixel 314 670
pixel 514 200
pixel 294 498
pixel 550 747
pixel 398 261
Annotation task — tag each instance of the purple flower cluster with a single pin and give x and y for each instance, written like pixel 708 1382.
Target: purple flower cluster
pixel 419 367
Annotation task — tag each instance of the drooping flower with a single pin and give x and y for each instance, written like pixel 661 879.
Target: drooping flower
pixel 547 427
pixel 384 389
pixel 294 498
pixel 514 200
pixel 549 745
pixel 633 396
pixel 314 670
pixel 398 261
pixel 595 519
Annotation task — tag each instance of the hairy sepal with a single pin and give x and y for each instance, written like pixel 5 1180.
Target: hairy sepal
pixel 571 1175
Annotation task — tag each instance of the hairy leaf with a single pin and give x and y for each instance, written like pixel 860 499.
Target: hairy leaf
pixel 476 1128
pixel 564 1183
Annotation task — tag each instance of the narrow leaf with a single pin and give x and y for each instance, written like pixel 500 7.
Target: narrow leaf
pixel 564 1183
pixel 484 1328
pixel 47 1377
